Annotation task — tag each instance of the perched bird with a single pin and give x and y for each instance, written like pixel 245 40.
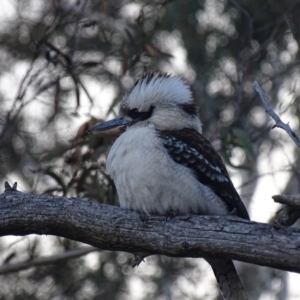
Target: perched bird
pixel 161 163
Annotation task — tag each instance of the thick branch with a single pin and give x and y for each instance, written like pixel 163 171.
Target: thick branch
pixel 278 123
pixel 111 228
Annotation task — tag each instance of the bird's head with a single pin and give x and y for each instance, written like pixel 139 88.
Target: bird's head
pixel 155 100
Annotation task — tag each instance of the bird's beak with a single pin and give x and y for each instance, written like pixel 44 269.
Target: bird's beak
pixel 112 128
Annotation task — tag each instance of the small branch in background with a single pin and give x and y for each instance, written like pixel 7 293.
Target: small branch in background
pixel 42 261
pixel 278 123
pixel 290 211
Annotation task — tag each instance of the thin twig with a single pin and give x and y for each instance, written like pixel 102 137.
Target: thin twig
pixel 278 123
pixel 41 261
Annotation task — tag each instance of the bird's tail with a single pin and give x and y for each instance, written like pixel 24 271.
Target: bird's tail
pixel 228 279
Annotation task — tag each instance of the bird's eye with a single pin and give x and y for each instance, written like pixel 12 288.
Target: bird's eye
pixel 134 113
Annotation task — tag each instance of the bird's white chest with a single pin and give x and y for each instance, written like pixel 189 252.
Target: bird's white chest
pixel 148 180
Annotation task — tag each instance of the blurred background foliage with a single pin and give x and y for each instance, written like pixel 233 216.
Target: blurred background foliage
pixel 64 65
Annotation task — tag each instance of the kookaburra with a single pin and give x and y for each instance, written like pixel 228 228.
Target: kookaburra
pixel 161 163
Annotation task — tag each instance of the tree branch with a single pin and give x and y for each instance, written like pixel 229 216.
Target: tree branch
pixel 42 261
pixel 290 211
pixel 291 200
pixel 278 123
pixel 111 228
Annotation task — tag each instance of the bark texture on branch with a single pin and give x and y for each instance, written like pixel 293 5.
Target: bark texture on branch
pixel 289 213
pixel 111 228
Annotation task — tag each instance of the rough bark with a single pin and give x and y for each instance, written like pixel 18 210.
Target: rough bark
pixel 111 228
pixel 290 211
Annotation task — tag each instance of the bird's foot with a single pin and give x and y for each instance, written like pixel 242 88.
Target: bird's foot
pixel 171 214
pixel 138 258
pixel 143 217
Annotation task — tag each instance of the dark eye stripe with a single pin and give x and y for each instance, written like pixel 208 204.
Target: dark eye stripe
pixel 136 115
pixel 189 108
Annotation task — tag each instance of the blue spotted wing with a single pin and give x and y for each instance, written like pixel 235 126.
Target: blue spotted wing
pixel 191 149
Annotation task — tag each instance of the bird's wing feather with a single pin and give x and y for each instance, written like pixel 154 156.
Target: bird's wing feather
pixel 191 149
